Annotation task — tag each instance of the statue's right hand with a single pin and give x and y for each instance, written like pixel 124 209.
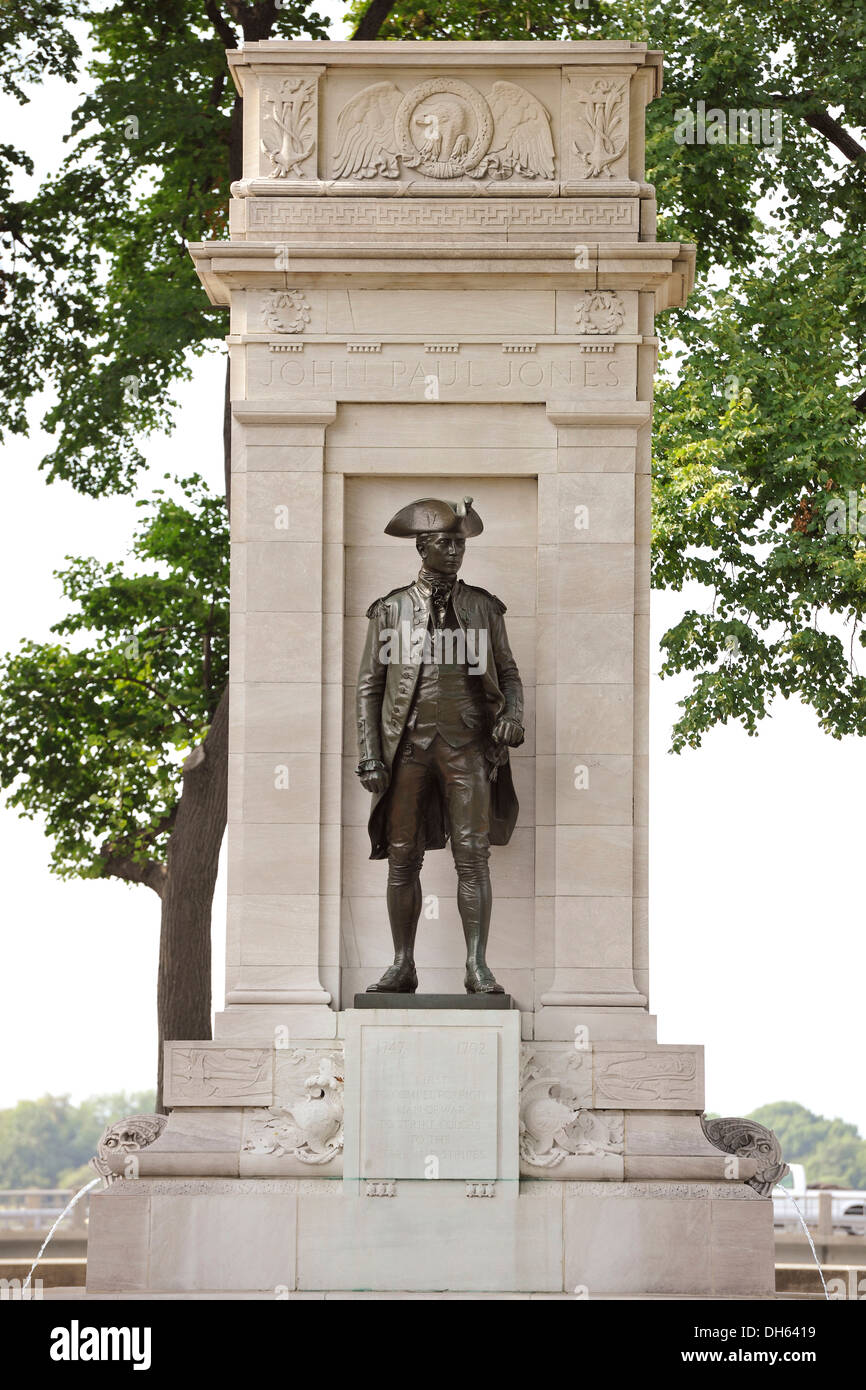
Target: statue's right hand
pixel 375 779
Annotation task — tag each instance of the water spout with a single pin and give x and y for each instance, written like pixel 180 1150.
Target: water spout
pixel 69 1205
pixel 785 1193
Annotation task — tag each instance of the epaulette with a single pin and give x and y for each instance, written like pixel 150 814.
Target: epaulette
pixel 487 594
pixel 375 604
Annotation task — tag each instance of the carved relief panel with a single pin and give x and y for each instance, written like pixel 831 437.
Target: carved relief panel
pixel 561 1135
pixel 433 131
pixel 596 116
pixel 443 129
pixel 288 121
pixel 305 1124
pixel 213 1074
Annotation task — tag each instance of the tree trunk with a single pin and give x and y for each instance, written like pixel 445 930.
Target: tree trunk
pixel 372 19
pixel 184 984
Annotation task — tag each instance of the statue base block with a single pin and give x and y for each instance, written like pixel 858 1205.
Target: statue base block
pixel 433 1001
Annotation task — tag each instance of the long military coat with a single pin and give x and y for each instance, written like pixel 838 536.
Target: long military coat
pixel 386 689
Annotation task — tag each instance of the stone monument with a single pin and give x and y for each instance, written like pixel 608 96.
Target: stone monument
pixel 443 274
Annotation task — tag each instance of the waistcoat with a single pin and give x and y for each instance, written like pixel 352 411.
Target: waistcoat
pixel 449 700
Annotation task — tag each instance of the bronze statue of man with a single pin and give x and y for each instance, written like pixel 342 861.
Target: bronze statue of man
pixel 440 702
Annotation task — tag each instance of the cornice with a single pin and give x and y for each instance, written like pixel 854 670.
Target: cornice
pixel 665 267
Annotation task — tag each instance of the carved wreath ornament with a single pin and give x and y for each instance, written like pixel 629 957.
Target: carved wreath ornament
pixel 286 311
pixel 444 129
pixel 599 311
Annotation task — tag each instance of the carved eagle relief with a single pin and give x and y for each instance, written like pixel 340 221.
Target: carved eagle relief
pixel 365 134
pixel 444 129
pixel 521 134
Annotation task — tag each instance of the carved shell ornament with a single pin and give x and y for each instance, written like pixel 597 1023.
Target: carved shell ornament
pixel 443 129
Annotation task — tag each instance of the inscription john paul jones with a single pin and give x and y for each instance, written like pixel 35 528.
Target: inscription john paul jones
pixel 417 373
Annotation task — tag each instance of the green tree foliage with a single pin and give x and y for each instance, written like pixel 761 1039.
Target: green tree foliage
pixel 831 1151
pixel 757 485
pixel 94 728
pixel 102 306
pixel 36 42
pixel 43 1143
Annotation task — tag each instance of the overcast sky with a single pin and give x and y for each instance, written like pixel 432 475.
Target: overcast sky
pixel 756 848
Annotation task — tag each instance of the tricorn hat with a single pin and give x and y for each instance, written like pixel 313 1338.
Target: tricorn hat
pixel 432 514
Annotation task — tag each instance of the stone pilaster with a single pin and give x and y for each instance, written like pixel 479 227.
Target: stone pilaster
pixel 281 843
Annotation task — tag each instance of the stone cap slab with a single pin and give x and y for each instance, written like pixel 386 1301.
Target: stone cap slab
pixel 454 119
